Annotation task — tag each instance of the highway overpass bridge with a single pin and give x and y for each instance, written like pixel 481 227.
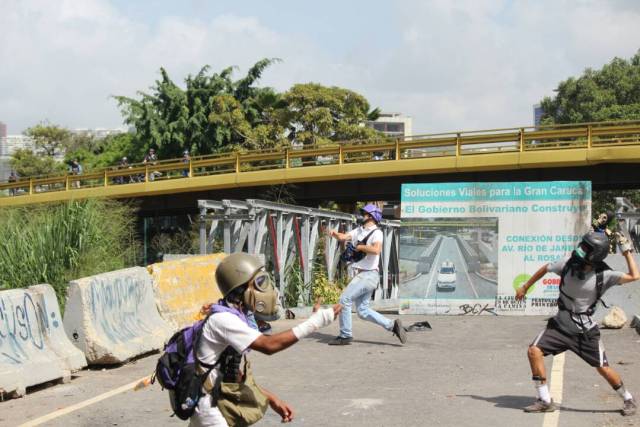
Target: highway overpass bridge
pixel 604 153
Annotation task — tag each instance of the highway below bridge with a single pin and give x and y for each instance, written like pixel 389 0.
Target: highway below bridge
pixel 468 285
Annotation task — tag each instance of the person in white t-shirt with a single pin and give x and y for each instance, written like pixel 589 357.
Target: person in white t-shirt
pixel 367 242
pixel 246 289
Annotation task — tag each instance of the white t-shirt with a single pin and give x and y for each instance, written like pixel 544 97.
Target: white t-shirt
pixel 223 330
pixel 371 261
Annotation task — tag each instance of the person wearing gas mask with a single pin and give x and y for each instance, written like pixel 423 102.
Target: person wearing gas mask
pixel 230 331
pixel 366 241
pixel 584 278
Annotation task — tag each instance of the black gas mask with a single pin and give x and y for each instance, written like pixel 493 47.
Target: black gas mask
pixel 361 219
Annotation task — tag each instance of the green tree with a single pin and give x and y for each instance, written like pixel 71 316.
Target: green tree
pixel 611 93
pixel 604 200
pixel 27 164
pixel 96 153
pixel 212 113
pixel 318 114
pixel 50 139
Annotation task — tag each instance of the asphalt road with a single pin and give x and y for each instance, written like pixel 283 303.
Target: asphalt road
pixel 468 285
pixel 467 371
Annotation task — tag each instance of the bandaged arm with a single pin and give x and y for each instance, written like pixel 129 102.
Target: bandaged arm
pixel 270 344
pixel 319 319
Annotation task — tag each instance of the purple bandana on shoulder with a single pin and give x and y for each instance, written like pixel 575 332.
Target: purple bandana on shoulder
pixel 222 307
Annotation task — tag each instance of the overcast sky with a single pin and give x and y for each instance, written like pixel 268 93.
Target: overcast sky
pixel 451 65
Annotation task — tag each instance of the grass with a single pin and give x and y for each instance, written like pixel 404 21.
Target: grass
pixel 57 243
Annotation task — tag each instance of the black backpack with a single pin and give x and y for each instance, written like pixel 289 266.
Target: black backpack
pixel 177 371
pixel 350 253
pixel 564 320
pixel 599 268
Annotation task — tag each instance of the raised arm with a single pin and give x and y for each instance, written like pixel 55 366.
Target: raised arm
pixel 521 292
pixel 632 274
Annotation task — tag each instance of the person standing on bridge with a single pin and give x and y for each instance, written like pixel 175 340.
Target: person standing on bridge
pixel 230 332
pixel 151 159
pixel 584 278
pixel 367 241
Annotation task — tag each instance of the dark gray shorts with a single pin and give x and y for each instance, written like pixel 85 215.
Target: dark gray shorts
pixel 552 341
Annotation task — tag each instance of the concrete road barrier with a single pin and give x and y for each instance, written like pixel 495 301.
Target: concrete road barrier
pixel 34 348
pixel 182 286
pixel 113 317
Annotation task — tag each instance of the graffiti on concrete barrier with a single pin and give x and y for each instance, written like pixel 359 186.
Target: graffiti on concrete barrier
pixel 23 327
pixel 477 309
pixel 116 304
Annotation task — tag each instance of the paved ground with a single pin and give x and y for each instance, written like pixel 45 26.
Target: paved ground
pixel 468 371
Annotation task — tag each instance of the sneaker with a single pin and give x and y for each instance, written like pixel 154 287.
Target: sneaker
pixel 341 341
pixel 629 407
pixel 399 331
pixel 540 406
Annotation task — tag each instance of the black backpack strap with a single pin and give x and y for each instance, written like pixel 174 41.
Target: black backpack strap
pixel 364 241
pixel 197 345
pixel 599 290
pixel 564 272
pixel 210 367
pixel 600 268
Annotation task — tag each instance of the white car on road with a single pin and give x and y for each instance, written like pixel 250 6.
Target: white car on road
pixel 447 277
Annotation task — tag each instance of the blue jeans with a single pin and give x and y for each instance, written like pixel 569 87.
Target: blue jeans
pixel 359 292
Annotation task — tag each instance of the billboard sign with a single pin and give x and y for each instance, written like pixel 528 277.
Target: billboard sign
pixel 465 247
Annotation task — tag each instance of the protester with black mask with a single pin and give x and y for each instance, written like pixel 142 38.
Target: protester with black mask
pixel 584 278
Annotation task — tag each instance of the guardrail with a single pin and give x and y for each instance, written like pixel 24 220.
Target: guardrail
pixel 470 255
pixel 454 144
pixel 425 261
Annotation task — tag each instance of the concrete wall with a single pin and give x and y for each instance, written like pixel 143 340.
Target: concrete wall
pixel 112 317
pixel 33 345
pixel 175 257
pixel 181 287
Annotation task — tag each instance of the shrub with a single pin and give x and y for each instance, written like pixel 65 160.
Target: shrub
pixel 328 292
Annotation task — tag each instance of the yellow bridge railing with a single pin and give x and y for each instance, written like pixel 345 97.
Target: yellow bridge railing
pixel 504 148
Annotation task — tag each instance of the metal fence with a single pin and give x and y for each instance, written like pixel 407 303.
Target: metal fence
pixel 288 233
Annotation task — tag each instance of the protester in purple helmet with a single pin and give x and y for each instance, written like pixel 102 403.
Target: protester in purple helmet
pixel 366 241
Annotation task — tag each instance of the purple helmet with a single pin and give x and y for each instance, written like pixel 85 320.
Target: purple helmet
pixel 374 211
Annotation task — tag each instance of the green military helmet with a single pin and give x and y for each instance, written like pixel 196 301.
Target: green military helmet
pixel 236 270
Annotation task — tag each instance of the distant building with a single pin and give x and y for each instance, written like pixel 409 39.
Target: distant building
pixel 98 133
pixel 537 114
pixel 12 143
pixel 9 144
pixel 392 124
pixel 5 168
pixel 3 135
